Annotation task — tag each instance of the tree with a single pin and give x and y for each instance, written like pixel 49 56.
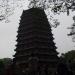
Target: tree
pixel 69 58
pixel 4 64
pixel 1 67
pixel 7 62
pixel 72 32
pixel 7 8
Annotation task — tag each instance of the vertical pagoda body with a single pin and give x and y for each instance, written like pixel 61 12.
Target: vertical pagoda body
pixel 35 50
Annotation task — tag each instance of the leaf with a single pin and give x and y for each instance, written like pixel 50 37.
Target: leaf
pixel 2 17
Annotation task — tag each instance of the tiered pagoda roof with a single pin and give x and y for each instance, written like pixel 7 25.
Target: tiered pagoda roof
pixel 35 40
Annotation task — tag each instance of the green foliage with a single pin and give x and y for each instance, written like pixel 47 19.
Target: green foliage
pixel 7 61
pixel 69 56
pixel 69 59
pixel 4 63
pixel 1 67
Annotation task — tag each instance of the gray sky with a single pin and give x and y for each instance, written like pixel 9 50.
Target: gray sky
pixel 8 33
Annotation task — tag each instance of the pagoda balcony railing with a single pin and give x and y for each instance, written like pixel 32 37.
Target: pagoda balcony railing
pixel 31 48
pixel 36 50
pixel 33 41
pixel 33 22
pixel 27 26
pixel 35 28
pixel 37 40
pixel 35 36
pixel 49 61
pixel 35 33
pixel 22 58
pixel 33 18
pixel 36 46
pixel 36 53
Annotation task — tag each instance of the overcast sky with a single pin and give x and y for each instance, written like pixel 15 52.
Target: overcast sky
pixel 8 33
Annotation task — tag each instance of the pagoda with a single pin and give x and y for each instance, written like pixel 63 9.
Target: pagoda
pixel 35 50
